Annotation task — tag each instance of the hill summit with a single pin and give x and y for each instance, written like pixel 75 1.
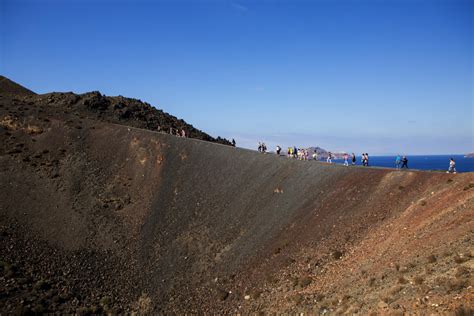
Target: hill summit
pixel 118 110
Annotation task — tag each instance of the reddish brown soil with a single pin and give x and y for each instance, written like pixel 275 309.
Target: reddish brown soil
pixel 101 217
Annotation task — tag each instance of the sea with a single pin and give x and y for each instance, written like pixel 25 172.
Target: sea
pixel 433 163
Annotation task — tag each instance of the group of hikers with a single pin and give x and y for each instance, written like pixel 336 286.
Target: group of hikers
pixel 293 152
pixel 176 132
pixel 401 162
pixel 182 133
pixel 262 148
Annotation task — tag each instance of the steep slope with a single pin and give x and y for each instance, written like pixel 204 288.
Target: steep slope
pixel 11 89
pixel 101 217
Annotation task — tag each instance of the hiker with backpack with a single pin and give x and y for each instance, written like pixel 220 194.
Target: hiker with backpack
pixel 452 166
pixel 404 162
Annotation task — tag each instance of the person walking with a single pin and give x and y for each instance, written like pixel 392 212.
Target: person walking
pixel 398 161
pixel 404 162
pixel 353 159
pixel 233 142
pixel 346 157
pixel 329 159
pixel 278 149
pixel 452 166
pixel 366 159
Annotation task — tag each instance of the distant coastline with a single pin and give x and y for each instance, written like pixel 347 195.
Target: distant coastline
pixel 469 155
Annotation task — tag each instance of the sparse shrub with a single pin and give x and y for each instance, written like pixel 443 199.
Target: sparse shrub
pixel 9 123
pixel 304 281
pixel 7 269
pixel 396 312
pixel 298 298
pixel 82 311
pixel 402 280
pixel 371 281
pixel 363 273
pixel 144 305
pixel 256 294
pixel 337 254
pixel 34 130
pixel 449 180
pixel 462 272
pixel 451 284
pixel 469 186
pixel 456 285
pixel 387 299
pixel 395 290
pixel 463 311
pixel 401 187
pixel 418 280
pixel 352 310
pixel 105 302
pixel 41 285
pixel 222 294
pixel 431 259
pixel 318 297
pixel 423 203
pixel 460 259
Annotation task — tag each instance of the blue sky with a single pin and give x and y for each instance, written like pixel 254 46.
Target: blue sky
pixel 364 76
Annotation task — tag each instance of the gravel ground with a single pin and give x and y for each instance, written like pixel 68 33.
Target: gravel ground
pixel 100 216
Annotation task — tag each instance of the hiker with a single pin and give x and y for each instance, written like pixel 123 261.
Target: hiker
pixel 295 152
pixel 404 162
pixel 346 163
pixel 233 142
pixel 259 147
pixel 264 148
pixel 366 159
pixel 452 166
pixel 398 161
pixel 315 155
pixel 329 159
pixel 278 149
pixel 363 160
pixel 353 159
pixel 183 133
pixel 290 152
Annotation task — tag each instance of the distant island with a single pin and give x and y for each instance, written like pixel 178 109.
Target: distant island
pixel 470 155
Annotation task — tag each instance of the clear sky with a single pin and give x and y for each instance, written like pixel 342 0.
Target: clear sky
pixel 364 76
